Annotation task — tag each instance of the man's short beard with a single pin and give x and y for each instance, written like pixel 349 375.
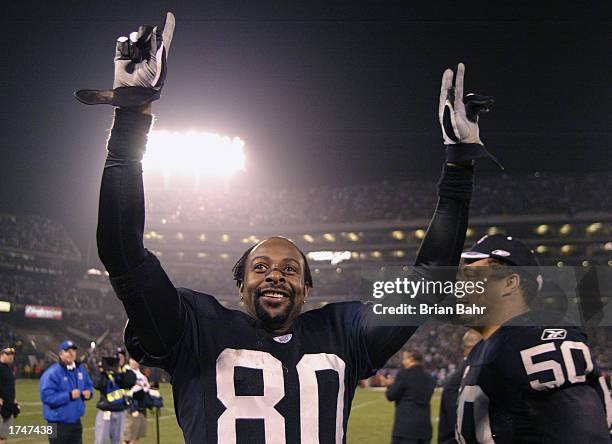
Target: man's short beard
pixel 273 322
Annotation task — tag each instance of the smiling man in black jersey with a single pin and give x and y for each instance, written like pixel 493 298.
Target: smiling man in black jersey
pixel 273 374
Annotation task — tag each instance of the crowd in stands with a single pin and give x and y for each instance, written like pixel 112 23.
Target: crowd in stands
pixel 600 339
pixel 8 336
pixel 495 194
pixel 90 310
pixel 50 290
pixel 95 310
pixel 35 233
pixel 24 366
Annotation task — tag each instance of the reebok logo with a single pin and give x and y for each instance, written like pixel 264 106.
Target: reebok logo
pixel 554 333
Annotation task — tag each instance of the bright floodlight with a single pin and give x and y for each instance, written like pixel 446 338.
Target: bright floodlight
pixel 335 257
pixel 201 154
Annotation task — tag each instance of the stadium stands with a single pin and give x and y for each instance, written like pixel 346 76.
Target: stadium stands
pixel 198 236
pixel 536 193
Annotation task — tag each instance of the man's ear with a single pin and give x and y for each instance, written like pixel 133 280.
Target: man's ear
pixel 307 289
pixel 241 290
pixel 513 284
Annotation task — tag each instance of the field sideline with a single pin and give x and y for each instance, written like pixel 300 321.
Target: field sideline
pixel 371 417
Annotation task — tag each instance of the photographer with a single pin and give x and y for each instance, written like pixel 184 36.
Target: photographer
pixel 9 408
pixel 113 382
pixel 136 419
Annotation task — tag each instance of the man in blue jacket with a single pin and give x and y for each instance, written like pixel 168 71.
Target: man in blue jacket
pixel 63 389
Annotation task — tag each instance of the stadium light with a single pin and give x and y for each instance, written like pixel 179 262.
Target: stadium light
pixel 335 257
pixel 329 237
pixel 594 228
pixel 494 230
pixel 398 235
pixel 353 237
pixel 197 153
pixel 5 306
pixel 308 238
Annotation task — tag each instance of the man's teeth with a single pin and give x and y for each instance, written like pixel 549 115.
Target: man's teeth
pixel 273 294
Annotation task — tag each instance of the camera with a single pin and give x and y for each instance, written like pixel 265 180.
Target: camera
pixel 110 363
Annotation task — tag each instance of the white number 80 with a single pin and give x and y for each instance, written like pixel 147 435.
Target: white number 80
pixel 262 407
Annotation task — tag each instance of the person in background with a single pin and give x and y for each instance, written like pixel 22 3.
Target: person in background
pixel 411 390
pixel 113 382
pixel 64 388
pixel 448 403
pixel 9 408
pixel 136 419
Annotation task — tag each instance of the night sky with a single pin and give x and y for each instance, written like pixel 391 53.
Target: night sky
pixel 322 92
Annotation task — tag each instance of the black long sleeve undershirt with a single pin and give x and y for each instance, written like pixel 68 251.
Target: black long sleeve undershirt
pixel 441 247
pixel 121 217
pixel 158 323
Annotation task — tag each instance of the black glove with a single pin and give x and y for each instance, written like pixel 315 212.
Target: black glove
pixel 140 68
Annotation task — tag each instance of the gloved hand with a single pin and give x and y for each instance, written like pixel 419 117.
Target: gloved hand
pixel 140 68
pixel 458 115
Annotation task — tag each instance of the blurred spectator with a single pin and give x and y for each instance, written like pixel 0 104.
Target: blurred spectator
pixel 113 380
pixel 64 388
pixel 9 408
pixel 448 403
pixel 411 390
pixel 136 419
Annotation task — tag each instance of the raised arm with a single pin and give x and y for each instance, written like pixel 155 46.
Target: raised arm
pixel 445 236
pixel 149 298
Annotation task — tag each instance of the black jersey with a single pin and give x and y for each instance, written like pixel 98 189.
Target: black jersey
pixel 532 384
pixel 233 381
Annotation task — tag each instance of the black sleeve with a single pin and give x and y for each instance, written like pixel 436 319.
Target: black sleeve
pixel 396 390
pixel 147 294
pixel 574 414
pixel 441 246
